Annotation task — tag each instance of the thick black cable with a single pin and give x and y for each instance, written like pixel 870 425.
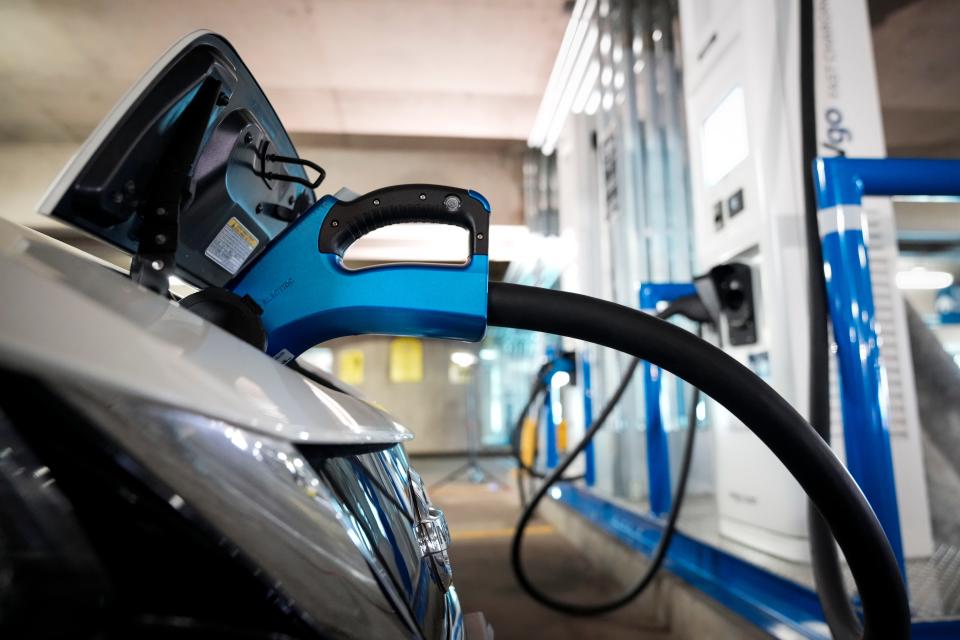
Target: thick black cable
pixel 827 571
pixel 692 307
pixel 783 430
pixel 669 528
pixel 689 306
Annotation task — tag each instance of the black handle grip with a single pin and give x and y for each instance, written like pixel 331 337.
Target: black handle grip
pixel 349 221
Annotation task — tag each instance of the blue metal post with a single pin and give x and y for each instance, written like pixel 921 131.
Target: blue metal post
pixel 558 363
pixel 841 183
pixel 590 470
pixel 658 447
pixel 553 456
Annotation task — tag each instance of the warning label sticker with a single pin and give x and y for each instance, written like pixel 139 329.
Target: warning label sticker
pixel 232 246
pixel 283 356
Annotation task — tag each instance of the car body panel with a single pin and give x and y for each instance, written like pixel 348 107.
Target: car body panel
pixel 64 312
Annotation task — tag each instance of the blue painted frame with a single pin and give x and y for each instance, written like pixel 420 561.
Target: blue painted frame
pixel 841 184
pixel 658 447
pixel 590 465
pixel 779 606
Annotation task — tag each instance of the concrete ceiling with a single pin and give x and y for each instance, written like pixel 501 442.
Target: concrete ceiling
pixel 397 68
pixel 459 68
pixel 917 48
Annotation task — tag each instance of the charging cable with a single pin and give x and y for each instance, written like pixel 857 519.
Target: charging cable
pixel 731 384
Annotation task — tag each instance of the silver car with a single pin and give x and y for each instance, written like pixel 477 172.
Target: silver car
pixel 160 476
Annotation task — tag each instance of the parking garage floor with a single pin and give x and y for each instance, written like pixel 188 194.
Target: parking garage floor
pixel 481 519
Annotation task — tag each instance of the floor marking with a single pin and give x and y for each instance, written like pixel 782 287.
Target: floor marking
pixel 491 534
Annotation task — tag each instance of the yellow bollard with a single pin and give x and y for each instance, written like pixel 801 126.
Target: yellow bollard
pixel 528 442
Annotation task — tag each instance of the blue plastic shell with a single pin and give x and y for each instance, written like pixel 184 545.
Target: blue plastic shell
pixel 309 297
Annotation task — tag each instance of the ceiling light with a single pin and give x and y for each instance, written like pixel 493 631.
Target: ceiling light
pixel 920 278
pixel 592 104
pixel 577 32
pixel 606 75
pixel 589 82
pixel 607 101
pixel 488 354
pixel 560 379
pixel 463 359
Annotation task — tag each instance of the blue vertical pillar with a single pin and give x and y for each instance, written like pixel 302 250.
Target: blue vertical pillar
pixel 866 436
pixel 863 395
pixel 590 470
pixel 658 447
pixel 550 425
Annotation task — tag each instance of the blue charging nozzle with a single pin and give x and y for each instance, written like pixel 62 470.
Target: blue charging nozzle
pixel 309 296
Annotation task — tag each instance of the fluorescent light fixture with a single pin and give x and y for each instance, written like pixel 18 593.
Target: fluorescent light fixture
pixel 920 278
pixel 589 82
pixel 576 51
pixel 489 354
pixel 572 39
pixel 593 103
pixel 569 92
pixel 947 199
pixel 463 359
pixel 607 100
pixel 605 43
pixel 606 76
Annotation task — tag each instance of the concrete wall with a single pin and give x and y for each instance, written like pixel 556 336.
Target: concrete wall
pixel 26 171
pixel 361 163
pixel 436 410
pixel 494 168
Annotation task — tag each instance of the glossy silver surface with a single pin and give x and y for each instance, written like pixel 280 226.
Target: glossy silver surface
pixel 269 505
pixel 63 311
pixel 432 533
pixel 369 486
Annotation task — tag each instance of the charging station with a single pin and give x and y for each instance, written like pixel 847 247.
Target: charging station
pixel 743 122
pixel 698 171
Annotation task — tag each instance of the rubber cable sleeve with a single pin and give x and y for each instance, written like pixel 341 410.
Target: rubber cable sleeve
pixel 784 431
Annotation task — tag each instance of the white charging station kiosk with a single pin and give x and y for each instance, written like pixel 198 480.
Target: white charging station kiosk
pixel 741 64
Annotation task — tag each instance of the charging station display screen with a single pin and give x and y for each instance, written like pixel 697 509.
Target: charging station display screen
pixel 723 143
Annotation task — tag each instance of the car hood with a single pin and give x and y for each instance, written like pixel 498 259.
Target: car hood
pixel 65 313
